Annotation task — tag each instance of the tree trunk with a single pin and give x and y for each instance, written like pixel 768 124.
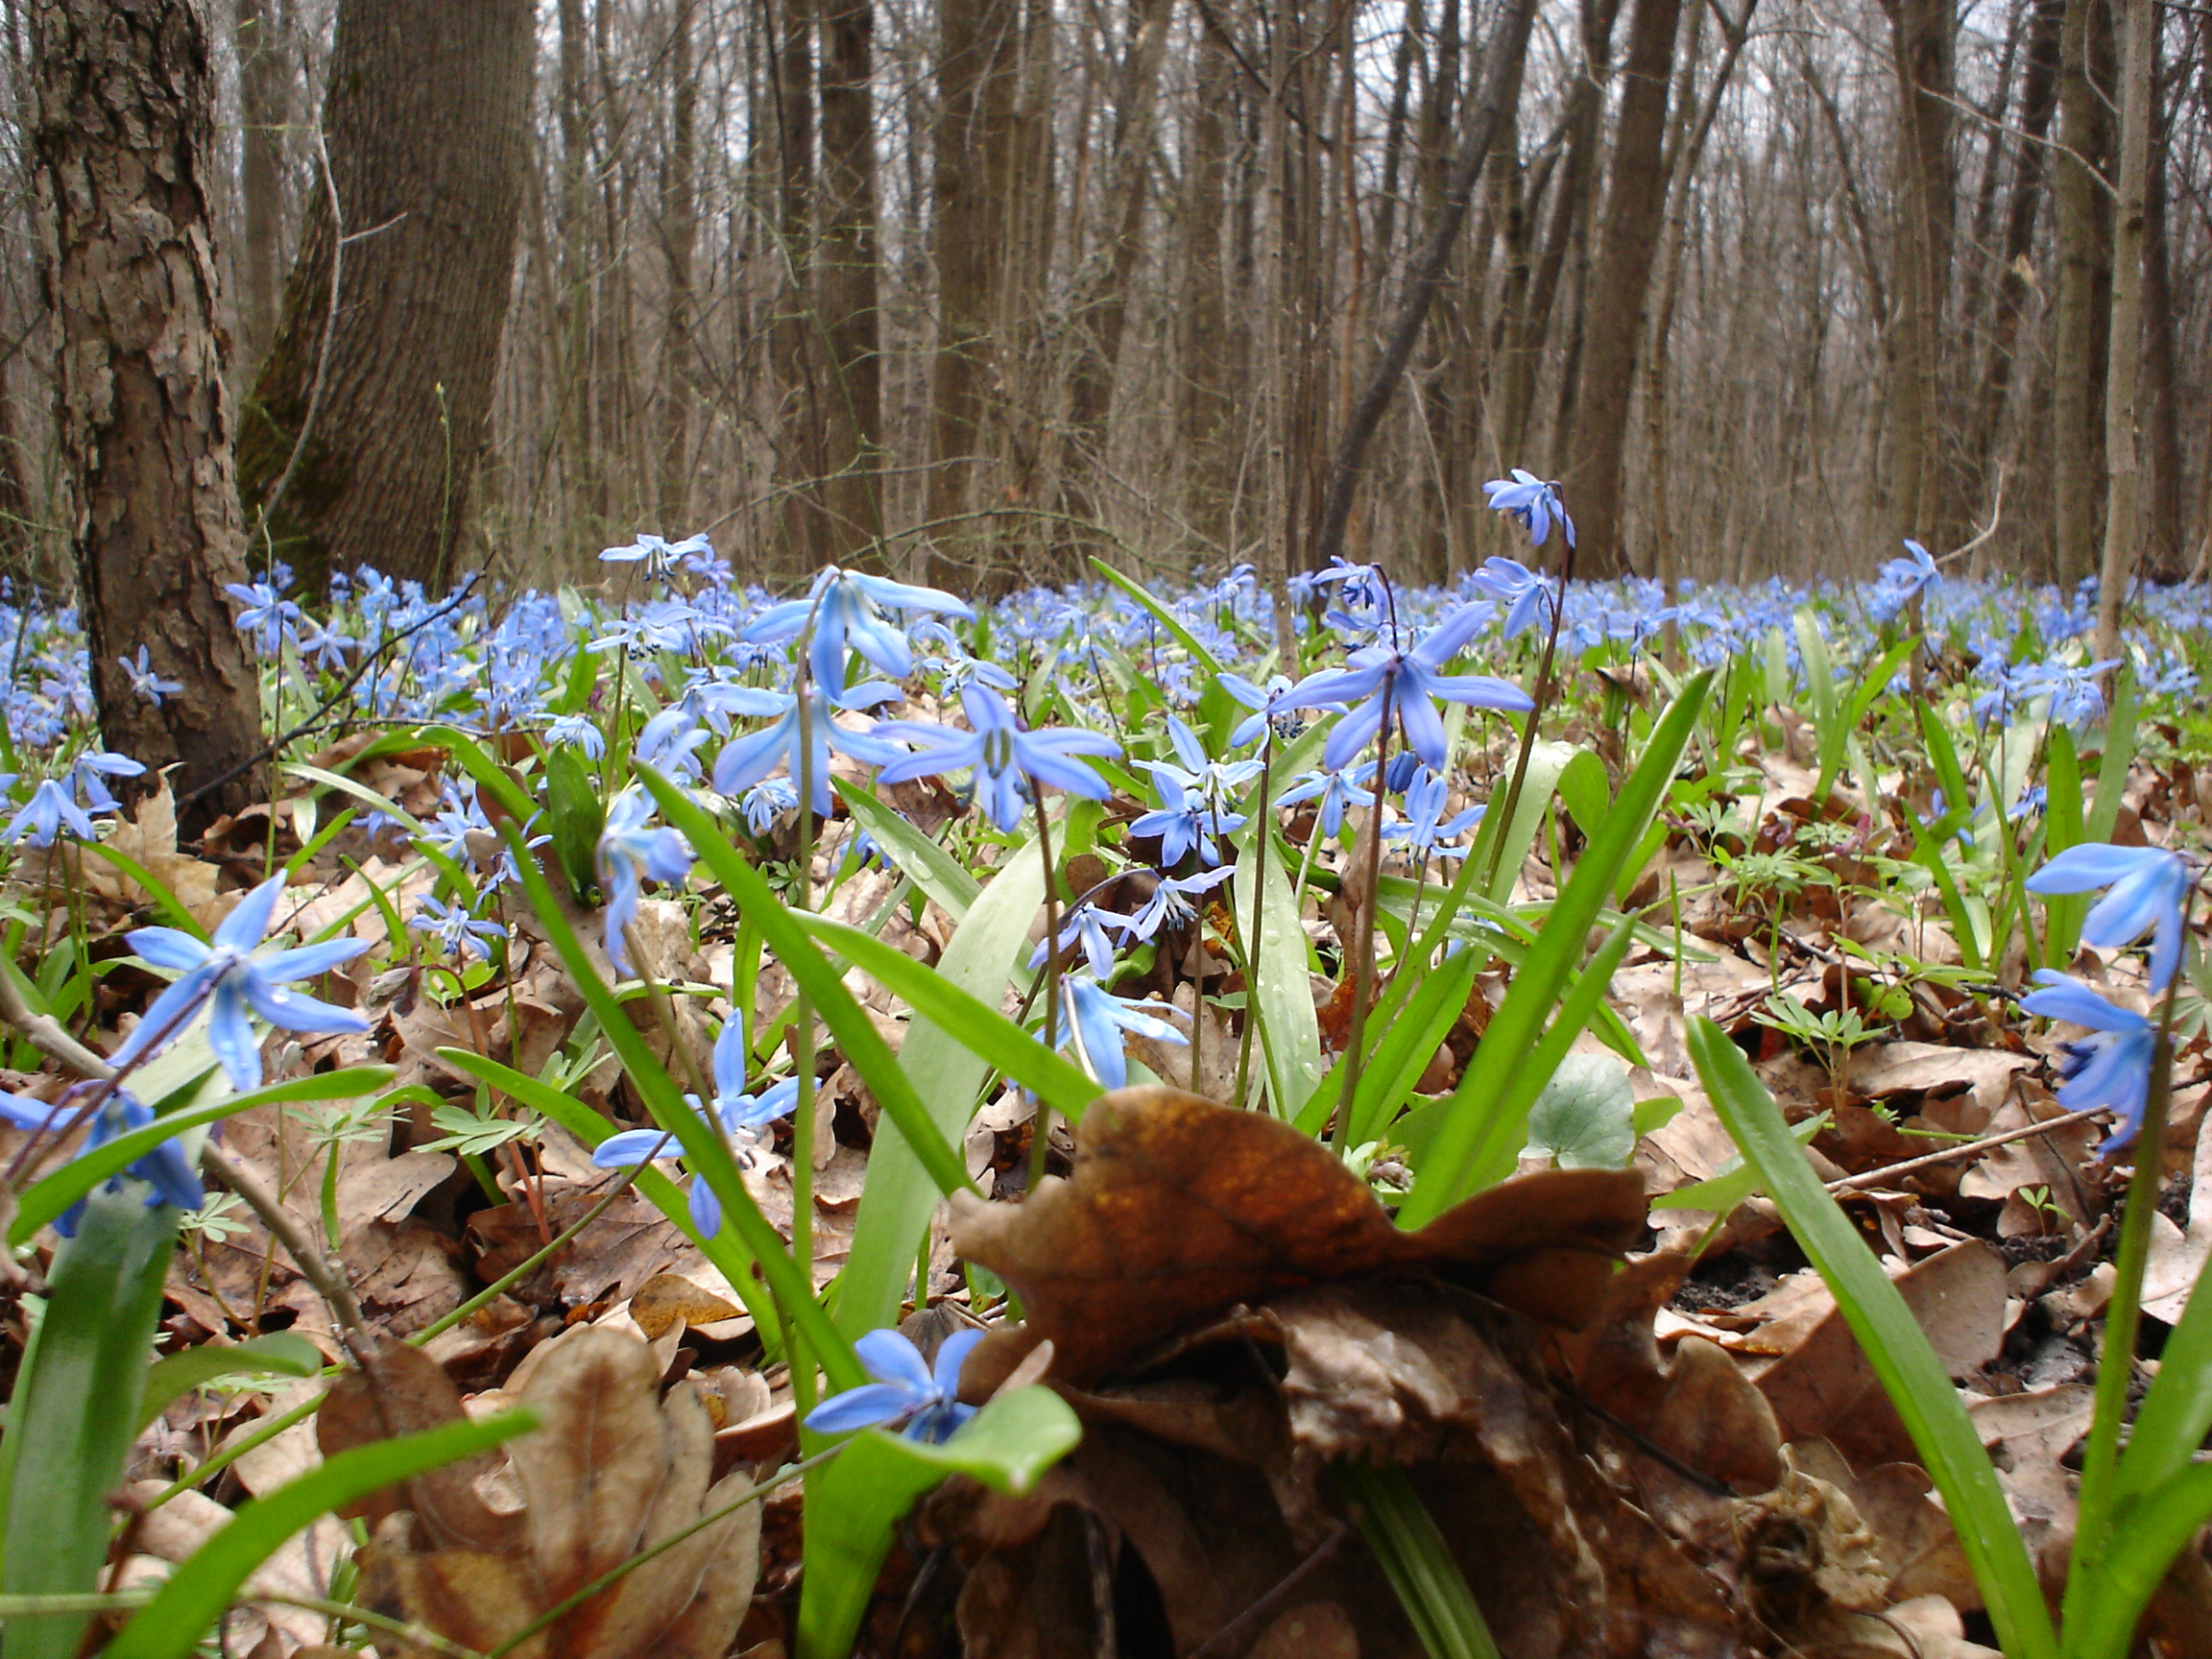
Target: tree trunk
pixel 388 379
pixel 974 119
pixel 2123 517
pixel 2161 421
pixel 679 248
pixel 2084 292
pixel 2038 98
pixel 847 279
pixel 124 129
pixel 1207 398
pixel 263 40
pixel 1635 211
pixel 1921 32
pixel 1099 310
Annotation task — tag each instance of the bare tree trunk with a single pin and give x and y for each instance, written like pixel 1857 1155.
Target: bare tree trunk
pixel 1921 32
pixel 2038 98
pixel 679 244
pixel 1202 332
pixel 2162 422
pixel 122 131
pixel 2123 517
pixel 1099 309
pixel 1635 208
pixel 975 115
pixel 264 45
pixel 802 457
pixel 847 277
pixel 1502 86
pixel 576 399
pixel 2078 457
pixel 426 147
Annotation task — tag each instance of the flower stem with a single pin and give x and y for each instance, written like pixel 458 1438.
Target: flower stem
pixel 1364 935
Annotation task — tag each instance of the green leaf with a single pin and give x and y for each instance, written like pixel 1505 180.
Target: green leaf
pixel 935 871
pixel 1893 1343
pixel 1201 659
pixel 578 815
pixel 280 1354
pixel 895 1200
pixel 855 1501
pixel 1408 1042
pixel 46 1199
pixel 1289 1027
pixel 985 1032
pixel 707 1152
pixel 171 1626
pixel 1735 1180
pixel 863 1045
pixel 172 907
pixel 2119 754
pixel 1481 1125
pixel 1586 1116
pixel 1418 1562
pixel 2148 1535
pixel 1547 764
pixel 1583 791
pixel 68 1434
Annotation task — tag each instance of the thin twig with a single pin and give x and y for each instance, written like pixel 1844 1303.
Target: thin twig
pixel 1963 1149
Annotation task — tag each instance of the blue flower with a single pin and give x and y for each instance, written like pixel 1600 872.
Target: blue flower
pixel 90 770
pixel 907 1390
pixel 1000 755
pixel 630 852
pixel 1088 923
pixel 1525 593
pixel 746 761
pixel 458 933
pixel 1268 709
pixel 1532 501
pixel 268 615
pixel 581 731
pixel 1336 791
pixel 1100 1017
pixel 1386 681
pixel 1186 820
pixel 737 1112
pixel 1169 905
pixel 145 683
pixel 1902 580
pixel 165 1167
pixel 233 979
pixel 1425 830
pixel 659 557
pixel 50 810
pixel 2148 888
pixel 847 608
pixel 768 801
pixel 2111 1067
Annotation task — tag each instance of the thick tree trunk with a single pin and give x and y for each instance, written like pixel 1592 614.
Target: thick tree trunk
pixel 975 124
pixel 1206 399
pixel 1635 211
pixel 263 40
pixel 426 131
pixel 123 130
pixel 847 280
pixel 2123 457
pixel 2038 98
pixel 680 246
pixel 2084 291
pixel 1921 32
pixel 2162 478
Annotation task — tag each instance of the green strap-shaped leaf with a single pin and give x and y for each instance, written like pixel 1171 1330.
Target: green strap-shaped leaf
pixel 935 871
pixel 898 1198
pixel 988 1034
pixel 70 1426
pixel 2103 1607
pixel 1480 1131
pixel 855 1499
pixel 1289 1028
pixel 173 1624
pixel 280 1354
pixel 47 1198
pixel 1893 1344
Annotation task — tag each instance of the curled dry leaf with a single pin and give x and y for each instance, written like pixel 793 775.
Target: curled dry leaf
pixel 613 1469
pixel 1179 1207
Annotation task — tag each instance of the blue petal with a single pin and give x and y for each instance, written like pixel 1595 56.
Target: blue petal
pixel 891 1358
pixel 705 1207
pixel 629 1147
pixel 231 1034
pixel 951 1355
pixel 861 1407
pixel 248 925
pixel 2090 865
pixel 168 948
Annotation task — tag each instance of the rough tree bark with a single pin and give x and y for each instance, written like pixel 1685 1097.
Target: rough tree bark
pixel 2084 289
pixel 425 123
pixel 1635 212
pixel 2123 458
pixel 974 130
pixel 848 279
pixel 123 133
pixel 679 248
pixel 1921 33
pixel 263 38
pixel 1207 395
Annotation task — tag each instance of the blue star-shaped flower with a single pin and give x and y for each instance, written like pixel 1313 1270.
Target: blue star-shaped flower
pixel 629 854
pixel 2110 1068
pixel 908 1389
pixel 1000 755
pixel 1385 681
pixel 2149 887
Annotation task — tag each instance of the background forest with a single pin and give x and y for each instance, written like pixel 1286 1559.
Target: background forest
pixel 1767 283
